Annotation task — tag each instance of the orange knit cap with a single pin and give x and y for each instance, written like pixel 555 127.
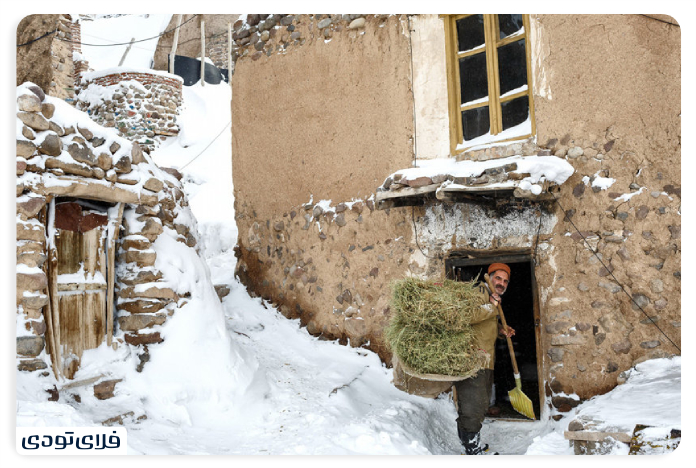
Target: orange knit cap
pixel 499 266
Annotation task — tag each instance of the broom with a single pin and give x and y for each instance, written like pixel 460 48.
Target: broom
pixel 520 402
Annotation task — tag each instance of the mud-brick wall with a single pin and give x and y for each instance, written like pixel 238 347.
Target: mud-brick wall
pixel 47 57
pixel 340 109
pixel 610 105
pixel 143 108
pixel 340 106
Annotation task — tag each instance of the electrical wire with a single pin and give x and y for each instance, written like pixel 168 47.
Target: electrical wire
pixel 661 20
pixel 204 149
pixel 612 274
pixel 132 42
pixel 104 39
pixel 107 45
pixel 38 38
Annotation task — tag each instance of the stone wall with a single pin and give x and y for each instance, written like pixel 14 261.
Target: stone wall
pixel 58 158
pixel 143 105
pixel 216 48
pixel 328 265
pixel 305 245
pixel 48 61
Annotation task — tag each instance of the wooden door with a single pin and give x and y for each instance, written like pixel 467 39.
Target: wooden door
pixel 80 276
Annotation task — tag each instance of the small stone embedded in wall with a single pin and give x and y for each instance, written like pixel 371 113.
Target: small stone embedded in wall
pixel 622 347
pixel 556 354
pixel 640 301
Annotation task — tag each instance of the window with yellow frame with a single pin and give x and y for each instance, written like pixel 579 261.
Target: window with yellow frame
pixel 489 79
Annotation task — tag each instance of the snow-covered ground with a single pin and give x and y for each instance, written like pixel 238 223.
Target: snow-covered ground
pixel 238 378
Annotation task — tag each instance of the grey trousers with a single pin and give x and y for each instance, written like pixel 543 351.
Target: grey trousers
pixel 473 398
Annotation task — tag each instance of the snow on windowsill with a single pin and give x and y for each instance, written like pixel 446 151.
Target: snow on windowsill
pixel 481 142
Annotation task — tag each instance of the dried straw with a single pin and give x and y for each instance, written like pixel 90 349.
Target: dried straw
pixel 430 328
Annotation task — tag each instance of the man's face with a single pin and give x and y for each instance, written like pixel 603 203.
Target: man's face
pixel 500 280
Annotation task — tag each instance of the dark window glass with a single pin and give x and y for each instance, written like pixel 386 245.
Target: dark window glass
pixel 512 66
pixel 509 24
pixel 475 122
pixel 473 78
pixel 515 111
pixel 470 32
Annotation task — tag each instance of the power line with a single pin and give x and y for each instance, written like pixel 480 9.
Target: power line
pixel 204 149
pixel 38 38
pixel 132 42
pixel 612 274
pixel 661 20
pixel 104 39
pixel 106 45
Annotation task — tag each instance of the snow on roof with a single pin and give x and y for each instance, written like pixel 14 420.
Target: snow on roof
pixel 88 76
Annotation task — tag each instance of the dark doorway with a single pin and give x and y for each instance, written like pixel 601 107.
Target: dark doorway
pixel 521 313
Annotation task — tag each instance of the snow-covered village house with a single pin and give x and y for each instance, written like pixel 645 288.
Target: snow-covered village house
pixel 91 204
pixel 367 148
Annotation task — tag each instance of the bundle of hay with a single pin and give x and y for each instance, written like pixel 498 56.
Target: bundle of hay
pixel 430 329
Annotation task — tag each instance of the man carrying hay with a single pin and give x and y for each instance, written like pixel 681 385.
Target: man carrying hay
pixel 474 393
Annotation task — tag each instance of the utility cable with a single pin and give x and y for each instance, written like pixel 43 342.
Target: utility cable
pixel 107 45
pixel 612 274
pixel 204 149
pixel 38 38
pixel 132 42
pixel 661 20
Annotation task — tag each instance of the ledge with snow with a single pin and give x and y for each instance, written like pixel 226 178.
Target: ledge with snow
pixel 450 180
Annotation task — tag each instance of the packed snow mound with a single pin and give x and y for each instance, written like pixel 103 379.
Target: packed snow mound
pixel 651 396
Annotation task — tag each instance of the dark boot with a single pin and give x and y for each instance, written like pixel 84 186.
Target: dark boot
pixel 472 443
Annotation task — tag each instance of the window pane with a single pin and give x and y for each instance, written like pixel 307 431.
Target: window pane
pixel 515 112
pixel 475 122
pixel 473 79
pixel 509 24
pixel 470 32
pixel 512 66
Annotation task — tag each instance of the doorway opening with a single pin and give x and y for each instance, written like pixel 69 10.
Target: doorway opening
pixel 521 309
pixel 80 278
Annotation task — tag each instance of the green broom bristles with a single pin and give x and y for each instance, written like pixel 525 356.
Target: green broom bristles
pixel 430 327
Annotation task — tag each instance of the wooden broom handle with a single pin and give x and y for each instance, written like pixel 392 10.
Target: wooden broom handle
pixel 502 319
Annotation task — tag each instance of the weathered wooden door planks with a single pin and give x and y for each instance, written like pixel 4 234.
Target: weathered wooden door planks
pixel 81 286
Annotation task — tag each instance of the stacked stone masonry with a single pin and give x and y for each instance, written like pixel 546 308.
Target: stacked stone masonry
pixel 45 53
pixel 63 83
pixel 143 107
pixel 265 35
pixel 216 48
pixel 63 161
